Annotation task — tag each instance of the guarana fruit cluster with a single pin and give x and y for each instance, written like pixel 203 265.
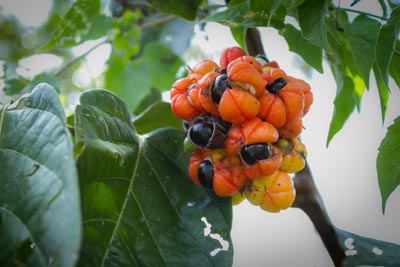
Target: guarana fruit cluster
pixel 244 116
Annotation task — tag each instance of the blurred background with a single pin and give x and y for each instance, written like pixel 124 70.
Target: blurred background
pixel 345 171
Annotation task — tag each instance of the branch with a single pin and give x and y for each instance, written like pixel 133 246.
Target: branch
pixel 70 63
pixel 309 200
pixel 253 42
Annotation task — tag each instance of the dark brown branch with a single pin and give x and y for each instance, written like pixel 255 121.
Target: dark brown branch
pixel 253 42
pixel 309 200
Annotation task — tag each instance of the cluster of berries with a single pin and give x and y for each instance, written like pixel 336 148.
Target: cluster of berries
pixel 244 117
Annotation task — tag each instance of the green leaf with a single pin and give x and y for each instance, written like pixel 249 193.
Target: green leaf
pixel 76 25
pixel 40 219
pixel 241 15
pixel 151 98
pixel 364 251
pixel 394 68
pixel 186 9
pixel 163 65
pixel 311 53
pixel 344 103
pixel 128 79
pixel 239 34
pixel 156 116
pixel 362 35
pixel 388 162
pixel 139 206
pixel 383 91
pixel 98 27
pixel 311 15
pixel 14 85
pixel 386 43
pixel 266 7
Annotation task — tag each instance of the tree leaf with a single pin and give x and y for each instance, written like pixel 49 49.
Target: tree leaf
pixel 394 68
pixel 344 103
pixel 364 251
pixel 311 15
pixel 75 25
pixel 40 219
pixel 362 35
pixel 139 206
pixel 266 7
pixel 163 65
pixel 383 91
pixel 241 15
pixel 386 43
pixel 151 98
pixel 128 79
pixel 186 9
pixel 311 53
pixel 239 34
pixel 388 162
pixel 156 116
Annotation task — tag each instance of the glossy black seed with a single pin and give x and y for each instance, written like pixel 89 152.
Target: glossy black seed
pixel 278 84
pixel 218 88
pixel 206 173
pixel 200 133
pixel 255 152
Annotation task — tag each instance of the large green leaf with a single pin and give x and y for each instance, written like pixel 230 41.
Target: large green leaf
pixel 388 162
pixel 386 43
pixel 82 22
pixel 186 9
pixel 139 206
pixel 40 218
pixel 364 251
pixel 311 15
pixel 362 35
pixel 311 53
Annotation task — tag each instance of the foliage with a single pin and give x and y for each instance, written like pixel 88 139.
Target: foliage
pixel 112 182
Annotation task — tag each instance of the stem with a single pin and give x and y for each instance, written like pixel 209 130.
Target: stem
pixel 253 42
pixel 362 13
pixel 157 22
pixel 70 63
pixel 309 200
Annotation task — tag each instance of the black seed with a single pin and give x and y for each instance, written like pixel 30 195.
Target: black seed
pixel 274 87
pixel 223 70
pixel 218 88
pixel 206 173
pixel 255 152
pixel 201 133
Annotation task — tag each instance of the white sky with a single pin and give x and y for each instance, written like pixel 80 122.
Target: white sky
pixel 345 173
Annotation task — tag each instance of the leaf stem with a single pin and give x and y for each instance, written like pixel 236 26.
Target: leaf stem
pixel 309 200
pixel 362 13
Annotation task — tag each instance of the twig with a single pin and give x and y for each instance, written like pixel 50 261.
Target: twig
pixel 70 63
pixel 362 13
pixel 157 22
pixel 309 200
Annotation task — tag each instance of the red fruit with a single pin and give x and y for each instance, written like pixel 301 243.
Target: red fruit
pixel 229 55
